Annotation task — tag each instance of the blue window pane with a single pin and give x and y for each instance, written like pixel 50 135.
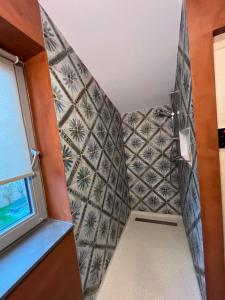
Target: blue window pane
pixel 15 203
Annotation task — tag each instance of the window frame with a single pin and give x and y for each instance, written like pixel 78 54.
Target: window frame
pixel 38 203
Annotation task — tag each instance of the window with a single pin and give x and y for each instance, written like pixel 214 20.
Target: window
pixel 22 203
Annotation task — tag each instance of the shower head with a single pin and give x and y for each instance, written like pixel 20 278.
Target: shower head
pixel 160 112
pixel 176 92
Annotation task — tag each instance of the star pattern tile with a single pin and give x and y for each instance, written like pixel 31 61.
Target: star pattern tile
pixel 150 170
pixel 93 153
pixel 188 176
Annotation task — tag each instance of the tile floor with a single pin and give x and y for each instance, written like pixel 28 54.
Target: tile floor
pixel 151 261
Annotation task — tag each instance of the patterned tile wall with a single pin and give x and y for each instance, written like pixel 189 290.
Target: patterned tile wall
pixel 152 176
pixel 90 129
pixel 189 184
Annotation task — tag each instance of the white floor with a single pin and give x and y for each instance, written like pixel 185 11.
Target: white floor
pixel 151 262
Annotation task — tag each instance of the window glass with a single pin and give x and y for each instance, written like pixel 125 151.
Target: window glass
pixel 14 150
pixel 15 203
pixel 22 199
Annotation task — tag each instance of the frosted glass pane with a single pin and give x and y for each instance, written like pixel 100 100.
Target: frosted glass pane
pixel 14 152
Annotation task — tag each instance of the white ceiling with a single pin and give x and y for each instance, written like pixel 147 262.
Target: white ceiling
pixel 130 46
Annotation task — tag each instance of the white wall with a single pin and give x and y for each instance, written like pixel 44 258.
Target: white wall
pixel 130 46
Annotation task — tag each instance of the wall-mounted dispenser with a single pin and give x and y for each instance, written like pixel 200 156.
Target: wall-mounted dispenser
pixel 185 145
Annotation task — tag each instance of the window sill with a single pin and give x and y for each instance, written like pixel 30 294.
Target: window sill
pixel 21 258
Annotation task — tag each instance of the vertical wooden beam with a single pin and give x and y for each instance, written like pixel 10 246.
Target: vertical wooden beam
pixel 43 111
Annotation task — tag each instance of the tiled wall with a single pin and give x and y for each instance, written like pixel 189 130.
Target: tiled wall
pixel 153 182
pixel 189 185
pixel 91 135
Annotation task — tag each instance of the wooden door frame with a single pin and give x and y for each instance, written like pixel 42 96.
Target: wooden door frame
pixel 205 17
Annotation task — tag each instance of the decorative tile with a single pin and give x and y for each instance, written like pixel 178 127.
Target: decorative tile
pixel 109 201
pixel 186 83
pixel 100 131
pixel 122 216
pixel 128 155
pixel 62 102
pixel 116 159
pixel 83 255
pixel 67 75
pixel 84 74
pixel 126 132
pixel 141 207
pixel 148 158
pixel 96 94
pixel 105 115
pixel 104 166
pixel 87 109
pixel 93 153
pixel 154 202
pixel 149 153
pixel 109 147
pixel 163 166
pixel 133 200
pixel 133 119
pixel 112 237
pixel 77 207
pixel 151 178
pixel 173 177
pixel 76 129
pixel 167 209
pixel 114 132
pixel 182 27
pixel 70 157
pixel 95 273
pixel 135 143
pixel 165 190
pixel 52 43
pixel 89 224
pixel 103 230
pixel 113 178
pixel 117 207
pixel 137 166
pixel 108 257
pixel 81 181
pixel 146 130
pixel 140 189
pixel 98 191
pixel 188 175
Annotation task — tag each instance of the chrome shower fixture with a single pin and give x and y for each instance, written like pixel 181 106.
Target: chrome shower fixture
pixel 175 92
pixel 160 112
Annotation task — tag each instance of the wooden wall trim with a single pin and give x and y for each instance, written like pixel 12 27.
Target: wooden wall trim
pixel 56 277
pixel 18 44
pixel 16 13
pixel 44 116
pixel 204 16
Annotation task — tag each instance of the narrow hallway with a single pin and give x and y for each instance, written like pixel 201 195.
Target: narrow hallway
pixel 152 261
